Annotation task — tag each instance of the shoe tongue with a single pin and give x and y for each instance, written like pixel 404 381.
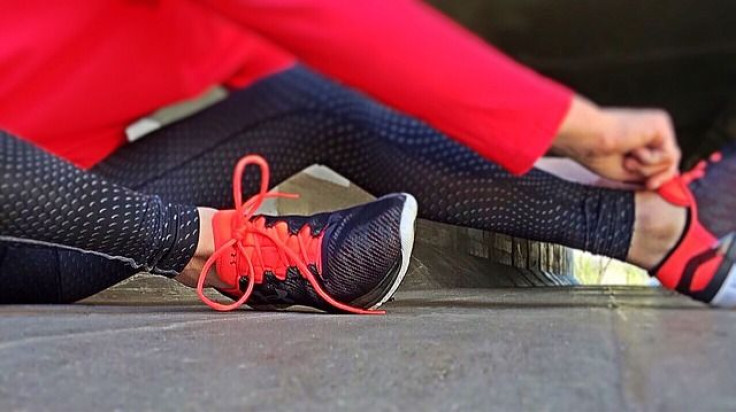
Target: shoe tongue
pixel 266 256
pixel 225 265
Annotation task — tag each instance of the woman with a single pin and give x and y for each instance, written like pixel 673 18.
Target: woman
pixel 465 127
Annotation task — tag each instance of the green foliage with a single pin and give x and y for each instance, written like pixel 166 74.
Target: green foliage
pixel 600 270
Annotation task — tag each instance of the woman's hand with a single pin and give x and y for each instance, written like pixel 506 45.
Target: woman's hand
pixel 629 145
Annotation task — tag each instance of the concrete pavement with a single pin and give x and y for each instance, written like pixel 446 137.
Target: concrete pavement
pixel 557 349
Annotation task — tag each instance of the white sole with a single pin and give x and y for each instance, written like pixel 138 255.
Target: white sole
pixel 406 229
pixel 726 296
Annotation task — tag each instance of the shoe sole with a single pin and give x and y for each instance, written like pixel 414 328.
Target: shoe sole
pixel 406 231
pixel 726 295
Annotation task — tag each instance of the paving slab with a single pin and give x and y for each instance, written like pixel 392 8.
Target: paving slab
pixel 557 349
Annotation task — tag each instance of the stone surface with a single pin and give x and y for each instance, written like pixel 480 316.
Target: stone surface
pixel 558 349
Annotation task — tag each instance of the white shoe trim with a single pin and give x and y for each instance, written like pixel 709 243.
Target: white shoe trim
pixel 726 296
pixel 408 217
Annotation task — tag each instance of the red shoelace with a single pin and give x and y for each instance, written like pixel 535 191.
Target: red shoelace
pixel 700 168
pixel 677 190
pixel 244 227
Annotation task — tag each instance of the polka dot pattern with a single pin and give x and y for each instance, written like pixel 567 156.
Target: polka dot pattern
pixel 66 233
pixel 49 202
pixel 298 118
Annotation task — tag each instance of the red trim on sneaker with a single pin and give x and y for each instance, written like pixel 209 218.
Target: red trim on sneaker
pixel 696 243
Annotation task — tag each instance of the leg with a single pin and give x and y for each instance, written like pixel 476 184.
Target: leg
pixel 312 120
pixel 66 233
pixel 297 118
pixel 384 151
pixel 46 274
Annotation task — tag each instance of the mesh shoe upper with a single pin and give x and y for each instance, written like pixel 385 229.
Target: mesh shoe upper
pixel 348 260
pixel 361 248
pixel 715 193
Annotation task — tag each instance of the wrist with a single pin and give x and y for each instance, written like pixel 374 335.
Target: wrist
pixel 584 130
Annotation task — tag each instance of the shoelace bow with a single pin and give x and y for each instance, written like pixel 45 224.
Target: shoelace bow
pixel 677 190
pixel 244 227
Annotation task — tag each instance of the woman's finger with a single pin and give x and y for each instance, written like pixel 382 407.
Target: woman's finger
pixel 648 156
pixel 633 165
pixel 655 181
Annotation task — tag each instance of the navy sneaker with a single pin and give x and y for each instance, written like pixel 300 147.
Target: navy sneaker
pixel 351 260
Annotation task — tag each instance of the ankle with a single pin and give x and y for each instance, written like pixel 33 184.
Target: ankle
pixel 206 243
pixel 658 226
pixel 205 248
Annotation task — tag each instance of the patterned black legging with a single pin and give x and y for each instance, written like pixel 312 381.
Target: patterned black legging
pixel 59 241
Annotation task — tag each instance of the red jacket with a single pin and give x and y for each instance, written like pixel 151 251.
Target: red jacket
pixel 73 77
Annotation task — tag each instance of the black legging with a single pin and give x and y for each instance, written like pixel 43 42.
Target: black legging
pixel 294 119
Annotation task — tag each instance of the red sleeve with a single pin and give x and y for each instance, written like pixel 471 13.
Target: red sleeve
pixel 413 58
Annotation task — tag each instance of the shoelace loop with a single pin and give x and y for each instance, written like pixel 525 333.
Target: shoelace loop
pixel 243 227
pixel 677 190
